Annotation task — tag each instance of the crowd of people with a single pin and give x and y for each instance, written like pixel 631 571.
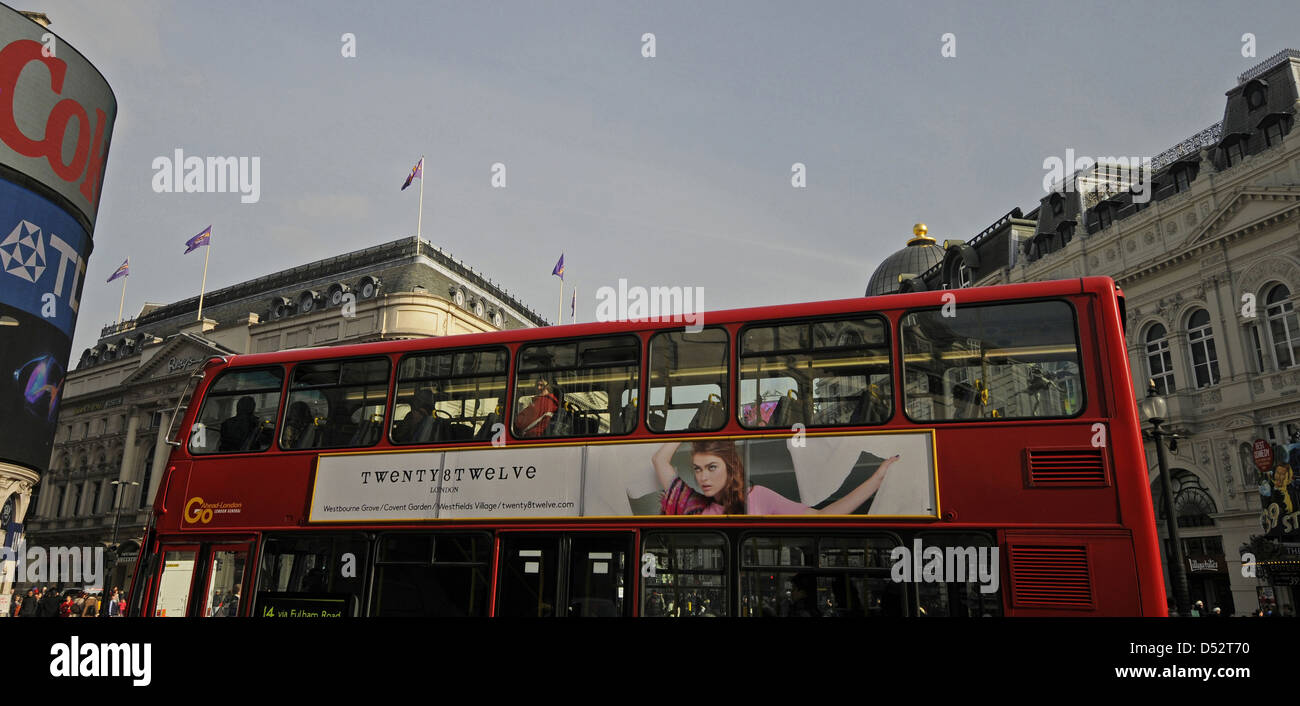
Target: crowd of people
pixel 50 602
pixel 1267 610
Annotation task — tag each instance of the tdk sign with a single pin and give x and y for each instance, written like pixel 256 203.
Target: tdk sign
pixel 42 253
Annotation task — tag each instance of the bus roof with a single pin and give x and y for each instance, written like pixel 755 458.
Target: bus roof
pixel 1031 290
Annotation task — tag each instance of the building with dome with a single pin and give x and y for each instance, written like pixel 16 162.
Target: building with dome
pixel 920 254
pixel 1210 268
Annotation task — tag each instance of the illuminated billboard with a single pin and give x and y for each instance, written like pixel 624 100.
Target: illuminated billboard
pixel 56 119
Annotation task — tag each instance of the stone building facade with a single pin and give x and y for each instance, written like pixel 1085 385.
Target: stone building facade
pixel 1210 268
pixel 111 447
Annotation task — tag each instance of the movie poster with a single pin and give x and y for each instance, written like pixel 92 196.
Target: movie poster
pixel 1279 494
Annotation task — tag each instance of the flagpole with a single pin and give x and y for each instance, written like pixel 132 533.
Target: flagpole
pixel 203 287
pixel 419 219
pixel 121 301
pixel 560 309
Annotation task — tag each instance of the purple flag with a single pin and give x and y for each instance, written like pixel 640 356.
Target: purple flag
pixel 122 271
pixel 198 241
pixel 416 171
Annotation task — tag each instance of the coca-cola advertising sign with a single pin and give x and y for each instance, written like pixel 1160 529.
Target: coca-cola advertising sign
pixel 56 113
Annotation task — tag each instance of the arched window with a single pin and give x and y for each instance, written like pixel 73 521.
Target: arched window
pixel 1205 362
pixel 1160 367
pixel 1192 502
pixel 1283 327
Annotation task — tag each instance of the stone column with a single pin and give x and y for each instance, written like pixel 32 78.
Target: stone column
pixel 128 448
pixel 1223 309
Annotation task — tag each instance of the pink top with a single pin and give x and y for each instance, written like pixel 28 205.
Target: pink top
pixel 682 500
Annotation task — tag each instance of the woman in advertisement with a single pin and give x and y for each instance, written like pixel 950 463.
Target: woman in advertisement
pixel 720 474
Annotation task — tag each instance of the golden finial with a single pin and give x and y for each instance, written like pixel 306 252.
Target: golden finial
pixel 919 236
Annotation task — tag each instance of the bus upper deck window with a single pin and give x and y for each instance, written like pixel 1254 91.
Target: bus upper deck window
pixel 238 413
pixel 450 396
pixel 688 381
pixel 335 403
pixel 583 387
pixel 992 361
pixel 823 373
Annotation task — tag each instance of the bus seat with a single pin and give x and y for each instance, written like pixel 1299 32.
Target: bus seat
pixel 709 416
pixel 656 421
pixel 367 433
pixel 588 424
pixel 485 432
pixel 868 410
pixel 423 433
pixel 311 436
pixel 458 432
pixel 626 419
pixel 788 412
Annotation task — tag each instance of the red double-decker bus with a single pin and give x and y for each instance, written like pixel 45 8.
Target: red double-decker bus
pixel 959 453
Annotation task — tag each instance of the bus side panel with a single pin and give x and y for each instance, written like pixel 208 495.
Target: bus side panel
pixel 1085 573
pixel 1131 475
pixel 245 492
pixel 985 475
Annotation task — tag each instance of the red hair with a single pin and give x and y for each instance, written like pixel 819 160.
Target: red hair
pixel 732 495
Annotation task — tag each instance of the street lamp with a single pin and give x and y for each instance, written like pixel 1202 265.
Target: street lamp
pixel 112 549
pixel 1156 410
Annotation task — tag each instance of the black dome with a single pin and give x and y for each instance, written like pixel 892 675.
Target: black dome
pixel 920 254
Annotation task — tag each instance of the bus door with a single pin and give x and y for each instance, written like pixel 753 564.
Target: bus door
pixel 200 579
pixel 226 582
pixel 174 581
pixel 574 574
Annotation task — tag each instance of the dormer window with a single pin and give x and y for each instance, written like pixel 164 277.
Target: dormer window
pixel 1104 217
pixel 1182 180
pixel 1274 126
pixel 1058 205
pixel 1066 232
pixel 1235 150
pixel 964 277
pixel 1256 94
pixel 1273 133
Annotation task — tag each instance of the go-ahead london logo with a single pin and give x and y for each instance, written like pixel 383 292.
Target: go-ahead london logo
pixel 22 253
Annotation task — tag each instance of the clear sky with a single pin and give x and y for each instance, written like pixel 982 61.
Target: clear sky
pixel 672 170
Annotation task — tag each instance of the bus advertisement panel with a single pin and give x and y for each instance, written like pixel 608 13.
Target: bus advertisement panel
pixel 884 475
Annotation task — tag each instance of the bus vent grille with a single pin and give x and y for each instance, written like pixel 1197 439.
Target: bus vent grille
pixel 1066 467
pixel 1050 577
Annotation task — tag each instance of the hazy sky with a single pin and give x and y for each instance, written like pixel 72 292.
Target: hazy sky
pixel 672 170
